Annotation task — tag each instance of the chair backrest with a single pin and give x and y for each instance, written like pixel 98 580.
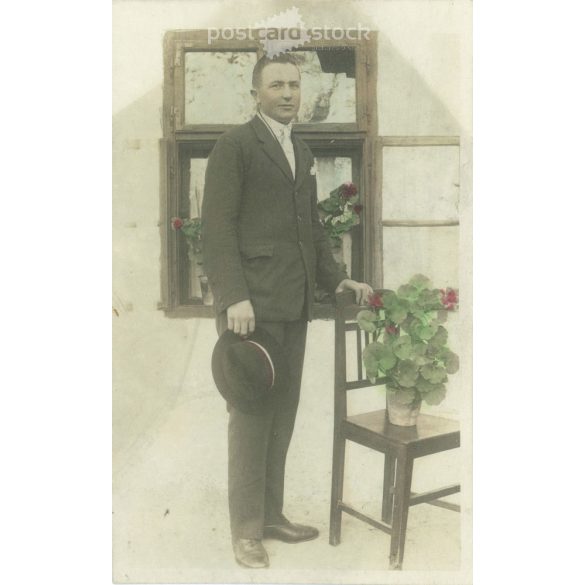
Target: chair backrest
pixel 346 311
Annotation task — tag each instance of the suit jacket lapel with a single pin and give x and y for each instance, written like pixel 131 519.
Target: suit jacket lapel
pixel 272 148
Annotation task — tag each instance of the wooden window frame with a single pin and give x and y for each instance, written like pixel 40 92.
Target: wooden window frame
pixel 357 139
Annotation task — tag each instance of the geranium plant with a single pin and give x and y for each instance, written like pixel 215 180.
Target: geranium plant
pixel 191 229
pixel 409 344
pixel 340 211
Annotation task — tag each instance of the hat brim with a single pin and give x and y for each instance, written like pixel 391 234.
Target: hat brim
pixel 265 399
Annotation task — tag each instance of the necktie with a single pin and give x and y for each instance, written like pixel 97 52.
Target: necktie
pixel 287 146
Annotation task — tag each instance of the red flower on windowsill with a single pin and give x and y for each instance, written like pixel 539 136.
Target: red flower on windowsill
pixel 391 330
pixel 348 190
pixel 358 208
pixel 177 223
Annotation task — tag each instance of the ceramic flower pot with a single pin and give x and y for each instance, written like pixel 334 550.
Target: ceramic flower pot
pixel 402 415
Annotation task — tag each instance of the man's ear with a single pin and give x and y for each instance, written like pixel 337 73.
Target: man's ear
pixel 254 94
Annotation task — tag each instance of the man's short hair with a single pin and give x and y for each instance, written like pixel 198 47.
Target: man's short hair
pixel 265 60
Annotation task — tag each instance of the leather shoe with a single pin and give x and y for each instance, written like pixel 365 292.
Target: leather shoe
pixel 250 553
pixel 289 532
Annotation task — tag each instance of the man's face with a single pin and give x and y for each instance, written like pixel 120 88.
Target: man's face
pixel 279 94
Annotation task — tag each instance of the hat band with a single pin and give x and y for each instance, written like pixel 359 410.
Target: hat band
pixel 267 355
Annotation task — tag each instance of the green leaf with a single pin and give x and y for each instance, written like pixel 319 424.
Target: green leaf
pixel 451 360
pixel 376 357
pixel 397 313
pixel 331 204
pixel 402 347
pixel 336 192
pixel 435 396
pixel 434 352
pixel 390 338
pixel 423 385
pixel 420 315
pixel 419 351
pixel 406 373
pixel 439 338
pixel 432 317
pixel 420 281
pixel 429 299
pixel 389 298
pixel 419 348
pixel 425 317
pixel 407 292
pixel 424 332
pixel 406 325
pixel 442 315
pixel 388 360
pixel 366 320
pixel 434 373
pixel 421 360
pixel 372 367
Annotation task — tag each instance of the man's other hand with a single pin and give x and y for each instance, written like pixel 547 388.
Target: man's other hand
pixel 240 318
pixel 362 290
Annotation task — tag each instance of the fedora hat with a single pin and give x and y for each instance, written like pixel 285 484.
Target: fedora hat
pixel 249 373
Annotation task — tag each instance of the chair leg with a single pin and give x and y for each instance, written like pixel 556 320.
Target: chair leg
pixel 336 490
pixel 400 508
pixel 388 495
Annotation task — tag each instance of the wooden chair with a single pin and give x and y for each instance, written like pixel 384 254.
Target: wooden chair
pixel 400 445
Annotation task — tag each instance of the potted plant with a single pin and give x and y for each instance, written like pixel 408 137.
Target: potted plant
pixel 339 213
pixel 409 346
pixel 191 229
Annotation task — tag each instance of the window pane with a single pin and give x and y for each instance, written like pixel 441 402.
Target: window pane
pixel 332 171
pixel 327 85
pixel 432 251
pixel 217 87
pixel 421 182
pixel 196 183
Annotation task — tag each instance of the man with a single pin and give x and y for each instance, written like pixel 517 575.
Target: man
pixel 264 248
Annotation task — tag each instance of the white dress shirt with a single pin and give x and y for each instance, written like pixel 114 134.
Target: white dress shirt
pixel 282 134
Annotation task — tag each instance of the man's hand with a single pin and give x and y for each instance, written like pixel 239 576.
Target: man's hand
pixel 362 290
pixel 240 318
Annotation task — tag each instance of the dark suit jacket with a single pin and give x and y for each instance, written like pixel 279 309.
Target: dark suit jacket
pixel 262 239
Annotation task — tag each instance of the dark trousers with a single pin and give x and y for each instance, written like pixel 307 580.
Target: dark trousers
pixel 258 444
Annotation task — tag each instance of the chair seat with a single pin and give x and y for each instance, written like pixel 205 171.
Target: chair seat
pixel 431 433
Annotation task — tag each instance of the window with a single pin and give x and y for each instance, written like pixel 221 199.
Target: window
pixel 206 92
pixel 420 209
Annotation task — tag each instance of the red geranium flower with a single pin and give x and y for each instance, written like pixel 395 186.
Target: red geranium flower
pixel 348 190
pixel 391 330
pixel 358 208
pixel 449 298
pixel 375 300
pixel 177 223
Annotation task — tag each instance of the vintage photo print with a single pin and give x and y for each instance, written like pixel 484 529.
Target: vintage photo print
pixel 292 291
